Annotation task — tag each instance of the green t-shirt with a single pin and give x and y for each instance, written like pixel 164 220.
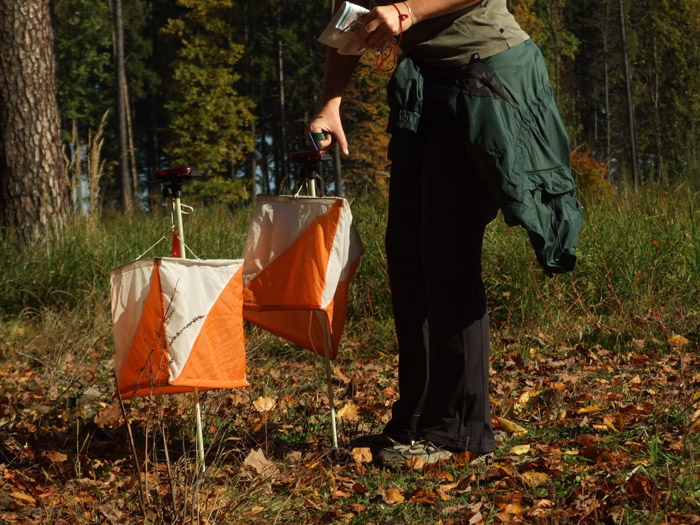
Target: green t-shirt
pixel 450 40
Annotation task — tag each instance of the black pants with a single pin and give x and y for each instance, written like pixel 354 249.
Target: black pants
pixel 438 210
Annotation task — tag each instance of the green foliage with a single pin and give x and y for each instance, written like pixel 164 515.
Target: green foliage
pixel 591 174
pixel 209 120
pixel 217 189
pixel 84 77
pixel 365 113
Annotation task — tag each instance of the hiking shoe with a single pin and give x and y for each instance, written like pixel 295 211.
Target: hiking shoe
pixel 398 453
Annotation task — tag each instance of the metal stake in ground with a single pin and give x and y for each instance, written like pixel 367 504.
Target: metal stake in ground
pixel 173 179
pixel 309 162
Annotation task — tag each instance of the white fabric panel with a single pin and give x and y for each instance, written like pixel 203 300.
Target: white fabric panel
pixel 338 258
pixel 130 285
pixel 276 224
pixel 190 289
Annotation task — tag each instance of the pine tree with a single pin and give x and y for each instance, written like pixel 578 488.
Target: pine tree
pixel 210 120
pixel 34 190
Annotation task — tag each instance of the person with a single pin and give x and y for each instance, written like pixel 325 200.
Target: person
pixel 475 128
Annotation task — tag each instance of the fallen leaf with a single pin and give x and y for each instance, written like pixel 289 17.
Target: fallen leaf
pixel 534 478
pixel 608 422
pixel 111 512
pixel 348 412
pixel 444 496
pixel 264 404
pixel 589 409
pixel 109 415
pixel 393 496
pixel 26 498
pixel 454 509
pixel 54 456
pixel 639 344
pixel 425 497
pixel 464 458
pixel 341 375
pixel 256 510
pixel 515 508
pixel 357 507
pixel 361 454
pixel 505 517
pixel 520 450
pixel 476 518
pixel 524 399
pixel 543 504
pixel 263 466
pixel 541 509
pixel 415 463
pixel 639 487
pixel 359 488
pixel 511 427
pixel 695 418
pixel 678 341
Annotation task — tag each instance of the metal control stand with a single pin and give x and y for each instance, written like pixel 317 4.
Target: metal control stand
pixel 309 163
pixel 172 180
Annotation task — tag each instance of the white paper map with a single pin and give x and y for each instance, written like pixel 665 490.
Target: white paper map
pixel 340 31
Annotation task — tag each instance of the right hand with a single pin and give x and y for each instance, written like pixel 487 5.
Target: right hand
pixel 328 121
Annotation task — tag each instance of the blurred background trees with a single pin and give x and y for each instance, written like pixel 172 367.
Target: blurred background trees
pixel 228 85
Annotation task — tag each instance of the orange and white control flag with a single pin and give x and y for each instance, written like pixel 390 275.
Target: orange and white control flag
pixel 178 325
pixel 300 256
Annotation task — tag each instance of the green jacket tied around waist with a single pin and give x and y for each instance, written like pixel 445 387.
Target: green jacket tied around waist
pixel 509 122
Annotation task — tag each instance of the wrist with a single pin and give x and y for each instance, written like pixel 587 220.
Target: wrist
pixel 331 103
pixel 409 11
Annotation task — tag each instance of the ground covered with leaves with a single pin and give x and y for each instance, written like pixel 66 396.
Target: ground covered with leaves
pixel 585 435
pixel 595 389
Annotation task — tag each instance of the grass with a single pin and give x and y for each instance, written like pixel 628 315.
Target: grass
pixel 593 340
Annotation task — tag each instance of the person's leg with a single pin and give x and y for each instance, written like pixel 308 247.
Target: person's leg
pixel 406 281
pixel 456 205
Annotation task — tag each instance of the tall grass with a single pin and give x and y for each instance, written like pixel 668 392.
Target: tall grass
pixel 637 275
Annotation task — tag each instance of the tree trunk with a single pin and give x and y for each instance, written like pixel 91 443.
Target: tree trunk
pixel 608 120
pixel 284 170
pixel 130 140
pixel 252 167
pixel 34 188
pixel 605 30
pixel 655 97
pixel 634 157
pixel 265 164
pixel 124 178
pixel 554 29
pixel 252 159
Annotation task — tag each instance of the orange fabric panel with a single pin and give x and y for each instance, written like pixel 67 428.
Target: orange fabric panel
pixel 296 278
pixel 217 358
pixel 145 370
pixel 300 327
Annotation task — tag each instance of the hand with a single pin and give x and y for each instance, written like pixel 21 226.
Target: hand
pixel 328 121
pixel 382 25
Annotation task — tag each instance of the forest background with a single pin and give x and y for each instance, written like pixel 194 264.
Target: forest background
pixel 228 87
pixel 595 376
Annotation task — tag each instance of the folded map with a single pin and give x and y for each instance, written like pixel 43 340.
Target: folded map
pixel 341 30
